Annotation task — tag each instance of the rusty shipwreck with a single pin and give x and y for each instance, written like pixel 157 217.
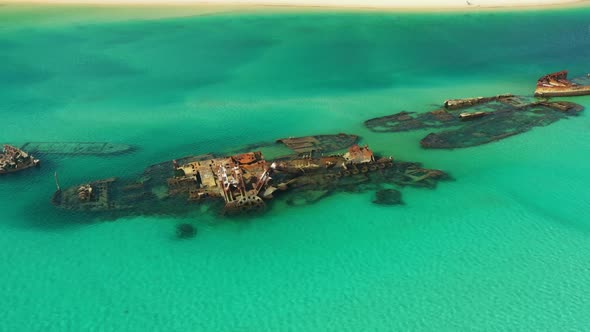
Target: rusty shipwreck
pixel 246 182
pixel 468 122
pixel 13 159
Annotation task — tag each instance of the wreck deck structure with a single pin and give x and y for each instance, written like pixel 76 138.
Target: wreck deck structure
pixel 474 121
pixel 244 182
pixel 240 180
pixel 14 159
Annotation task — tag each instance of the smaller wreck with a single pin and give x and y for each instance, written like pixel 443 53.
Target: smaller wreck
pixel 14 159
pixel 557 85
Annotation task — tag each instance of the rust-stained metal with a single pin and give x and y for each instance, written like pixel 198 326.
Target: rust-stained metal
pixel 471 115
pixel 92 196
pixel 359 155
pixel 557 85
pixel 237 179
pixel 244 182
pixel 14 159
pixel 453 104
pixel 490 119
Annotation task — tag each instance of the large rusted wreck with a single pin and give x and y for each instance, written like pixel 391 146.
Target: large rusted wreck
pixel 557 85
pixel 474 121
pixel 244 182
pixel 14 159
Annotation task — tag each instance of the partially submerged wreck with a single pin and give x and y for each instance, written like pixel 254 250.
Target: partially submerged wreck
pixel 245 182
pixel 319 143
pixel 77 148
pixel 14 159
pixel 475 121
pixel 557 85
pixel 242 181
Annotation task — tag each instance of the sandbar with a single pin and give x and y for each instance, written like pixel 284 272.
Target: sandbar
pixel 386 5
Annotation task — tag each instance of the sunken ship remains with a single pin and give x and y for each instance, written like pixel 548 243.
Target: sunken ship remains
pixel 14 159
pixel 557 85
pixel 474 121
pixel 245 182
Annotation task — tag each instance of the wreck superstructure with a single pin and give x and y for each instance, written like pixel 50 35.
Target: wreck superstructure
pixel 474 121
pixel 557 85
pixel 240 180
pixel 244 181
pixel 14 159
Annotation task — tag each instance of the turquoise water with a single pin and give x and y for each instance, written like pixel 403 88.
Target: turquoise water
pixel 505 246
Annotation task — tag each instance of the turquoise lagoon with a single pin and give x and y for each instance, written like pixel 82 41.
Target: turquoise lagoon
pixel 505 246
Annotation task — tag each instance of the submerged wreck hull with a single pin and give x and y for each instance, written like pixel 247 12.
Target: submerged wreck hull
pixel 480 121
pixel 105 195
pixel 241 183
pixel 77 148
pixel 14 160
pixel 500 124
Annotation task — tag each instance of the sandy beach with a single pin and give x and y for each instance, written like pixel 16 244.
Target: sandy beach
pixel 359 4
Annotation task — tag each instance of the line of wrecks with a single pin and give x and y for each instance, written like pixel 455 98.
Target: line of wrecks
pixel 470 122
pixel 317 165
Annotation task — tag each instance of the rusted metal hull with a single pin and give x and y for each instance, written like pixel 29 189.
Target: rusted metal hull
pixel 22 168
pixel 557 85
pixel 562 92
pixel 490 119
pixel 14 160
pixel 110 194
pixel 471 116
pixel 242 183
pixel 455 104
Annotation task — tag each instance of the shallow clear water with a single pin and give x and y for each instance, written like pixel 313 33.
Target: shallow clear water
pixel 503 247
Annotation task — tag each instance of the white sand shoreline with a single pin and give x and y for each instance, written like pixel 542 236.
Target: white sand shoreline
pixel 420 5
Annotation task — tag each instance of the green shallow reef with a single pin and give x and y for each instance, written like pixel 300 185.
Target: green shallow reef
pixel 504 246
